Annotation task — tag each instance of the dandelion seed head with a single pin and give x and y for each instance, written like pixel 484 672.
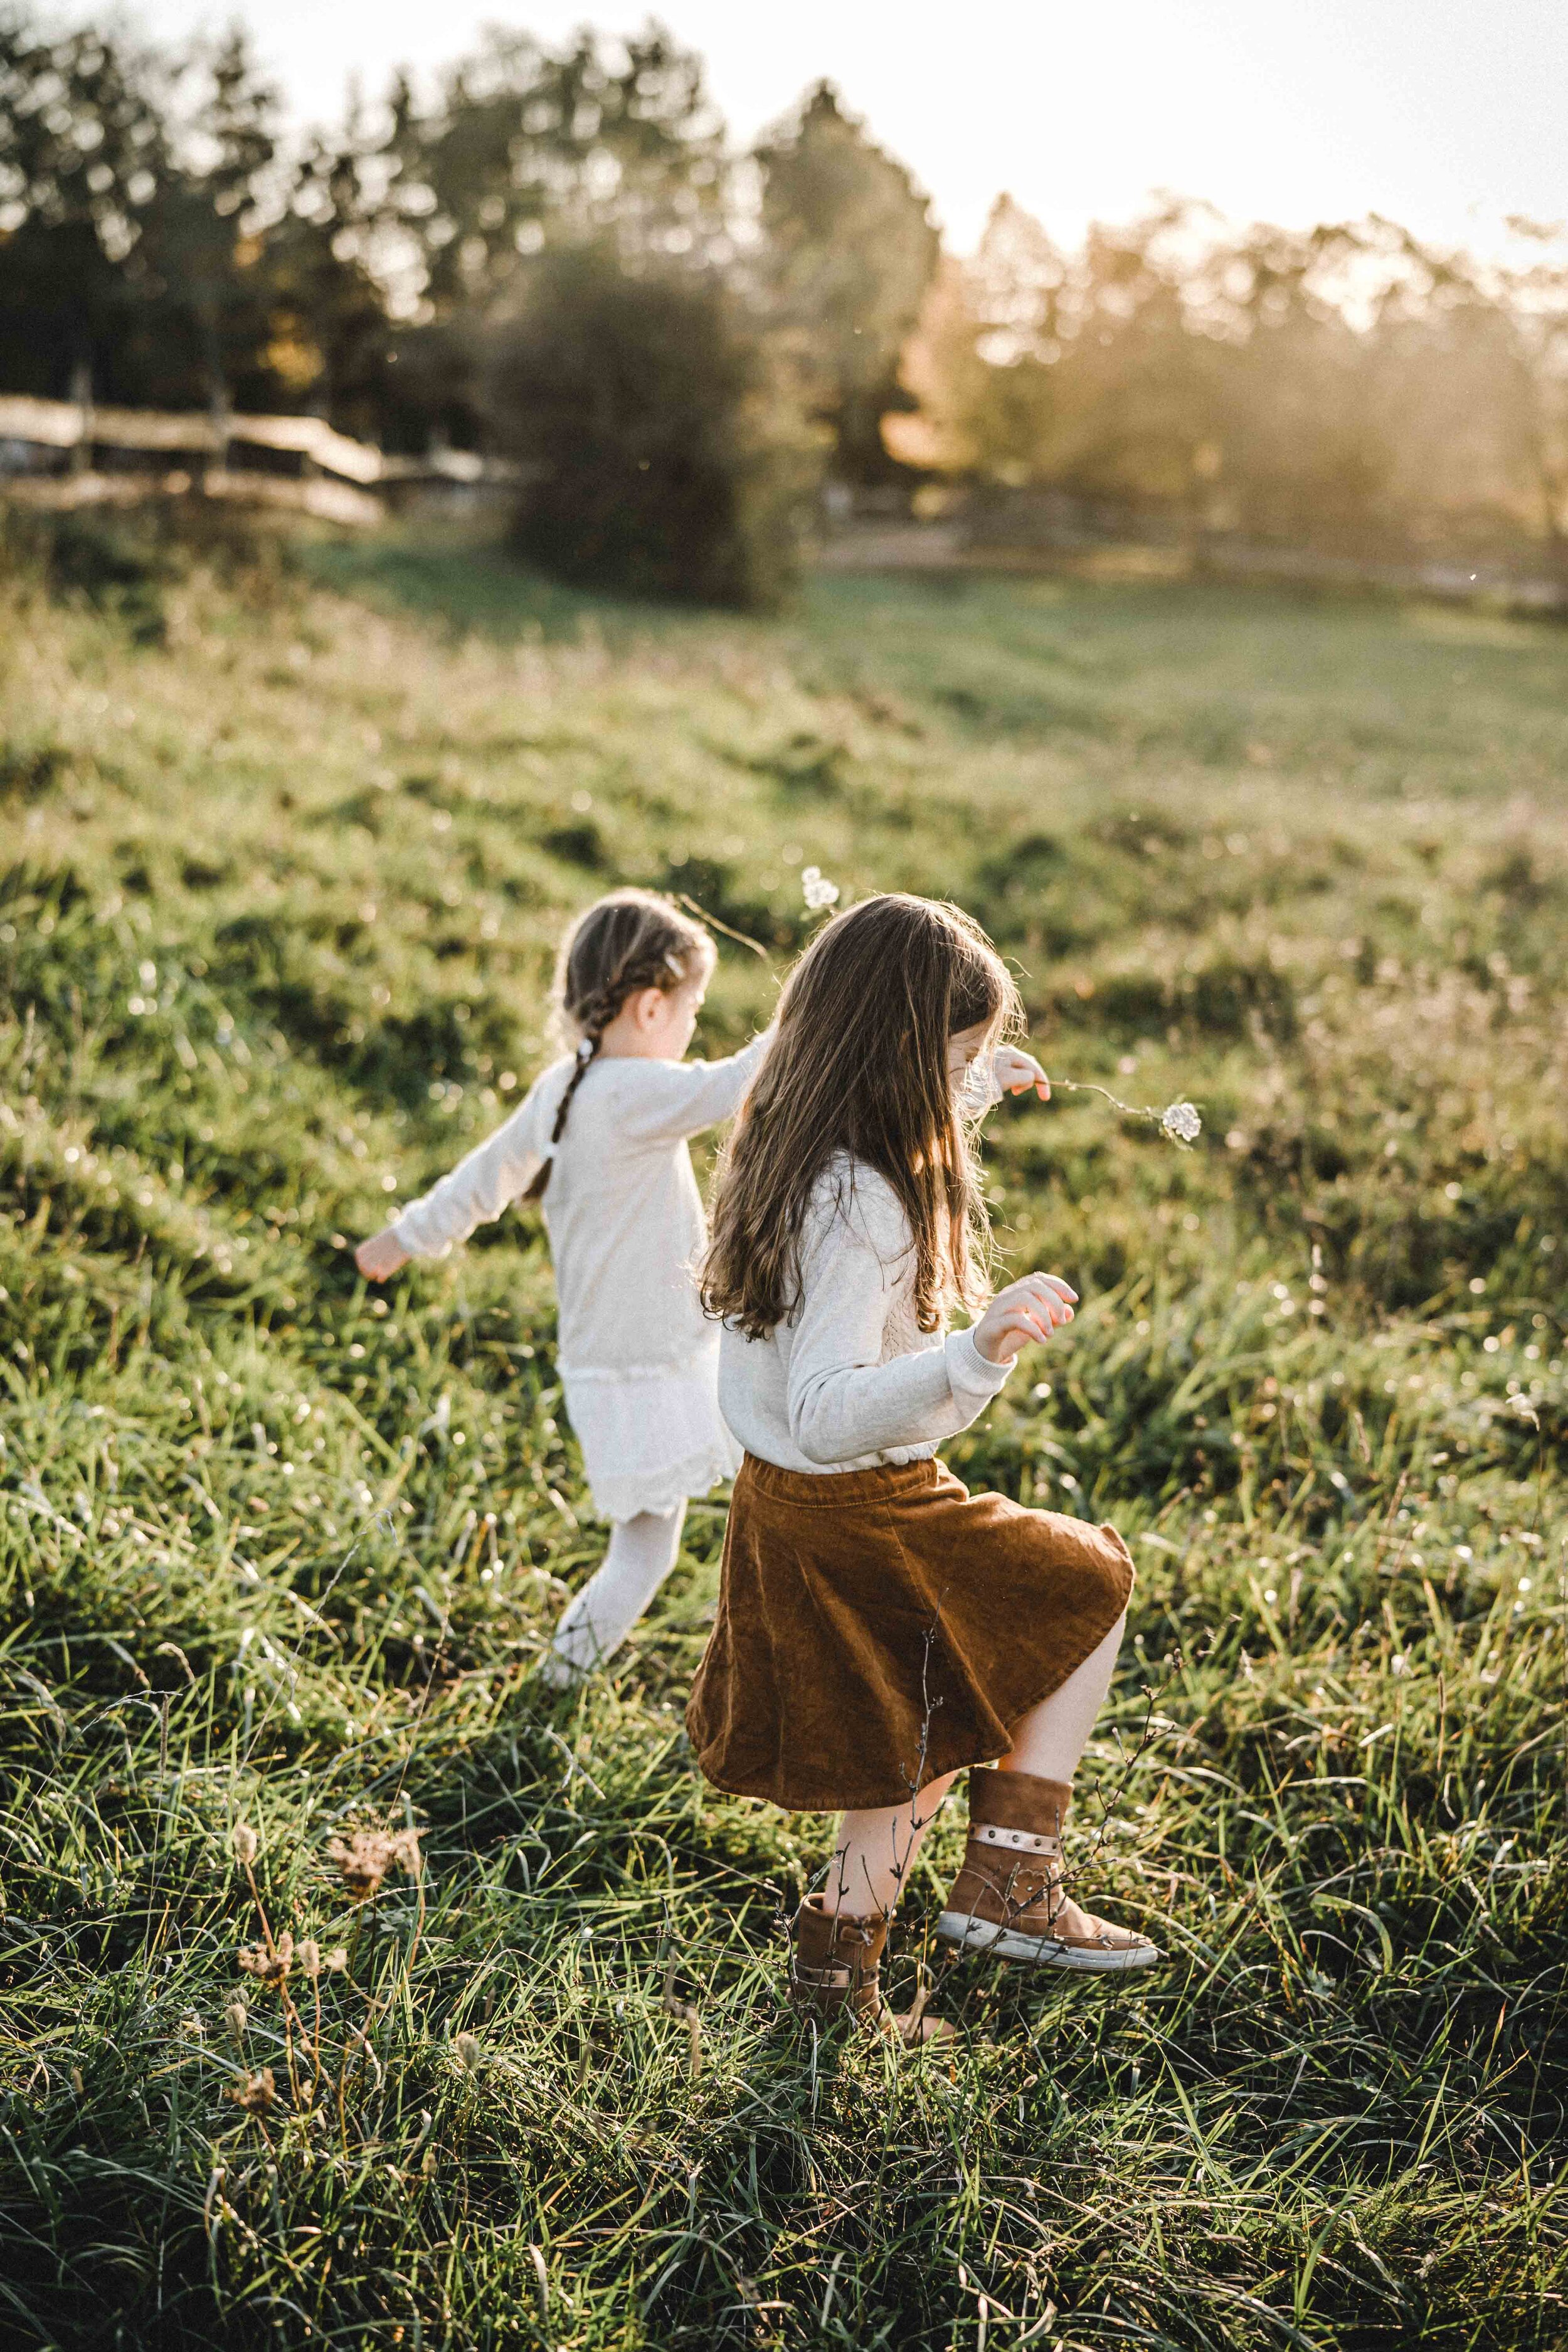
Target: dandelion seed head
pixel 336 1960
pixel 466 2047
pixel 237 2017
pixel 245 1845
pixel 818 891
pixel 310 1956
pixel 1181 1123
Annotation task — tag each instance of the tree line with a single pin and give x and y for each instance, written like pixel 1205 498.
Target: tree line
pixel 557 252
pixel 1347 386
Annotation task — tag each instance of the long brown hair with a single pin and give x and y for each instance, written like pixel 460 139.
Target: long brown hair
pixel 625 942
pixel 859 1066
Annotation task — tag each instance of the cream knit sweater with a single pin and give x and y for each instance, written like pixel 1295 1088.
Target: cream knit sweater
pixel 851 1381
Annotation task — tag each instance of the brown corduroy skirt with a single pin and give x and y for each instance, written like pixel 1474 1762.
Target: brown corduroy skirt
pixel 879 1628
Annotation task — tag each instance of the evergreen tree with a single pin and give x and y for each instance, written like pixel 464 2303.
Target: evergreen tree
pixel 850 251
pixel 612 141
pixel 203 316
pixel 330 348
pixel 83 155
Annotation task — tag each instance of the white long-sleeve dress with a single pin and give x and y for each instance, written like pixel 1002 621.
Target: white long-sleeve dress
pixel 638 1359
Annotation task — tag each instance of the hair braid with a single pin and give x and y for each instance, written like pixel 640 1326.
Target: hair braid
pixel 596 1019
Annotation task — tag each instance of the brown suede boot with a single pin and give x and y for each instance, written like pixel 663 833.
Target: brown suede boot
pixel 836 1970
pixel 1008 1899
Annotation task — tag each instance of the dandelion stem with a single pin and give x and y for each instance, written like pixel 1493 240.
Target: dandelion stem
pixel 715 925
pixel 261 1907
pixel 1088 1086
pixel 1178 1123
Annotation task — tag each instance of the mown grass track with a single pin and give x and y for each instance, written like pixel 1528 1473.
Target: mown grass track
pixel 288 844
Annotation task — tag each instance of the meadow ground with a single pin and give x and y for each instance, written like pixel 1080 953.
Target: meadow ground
pixel 288 844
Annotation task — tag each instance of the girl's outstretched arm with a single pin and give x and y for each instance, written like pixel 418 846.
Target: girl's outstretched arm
pixel 680 1099
pixel 494 1175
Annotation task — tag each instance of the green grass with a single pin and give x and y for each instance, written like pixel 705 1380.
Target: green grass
pixel 287 850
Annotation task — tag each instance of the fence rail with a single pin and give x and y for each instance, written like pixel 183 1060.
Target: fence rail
pixel 82 430
pixel 71 424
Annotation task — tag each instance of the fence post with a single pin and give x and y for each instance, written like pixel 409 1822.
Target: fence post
pixel 81 398
pixel 220 415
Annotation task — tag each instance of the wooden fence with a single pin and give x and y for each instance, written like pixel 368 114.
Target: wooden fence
pixel 69 453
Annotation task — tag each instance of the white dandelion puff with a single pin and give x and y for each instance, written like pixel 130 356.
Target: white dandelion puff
pixel 1179 1122
pixel 818 891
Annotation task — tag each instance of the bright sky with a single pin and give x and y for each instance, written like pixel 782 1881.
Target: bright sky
pixel 1442 114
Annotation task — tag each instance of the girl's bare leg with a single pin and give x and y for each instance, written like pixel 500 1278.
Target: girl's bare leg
pixel 1050 1739
pixel 876 1851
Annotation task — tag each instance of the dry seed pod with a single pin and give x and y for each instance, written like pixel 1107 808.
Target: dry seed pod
pixel 365 1857
pixel 268 1963
pixel 255 2093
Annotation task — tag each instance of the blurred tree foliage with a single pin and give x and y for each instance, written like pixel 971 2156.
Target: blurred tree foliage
pixel 161 233
pixel 525 151
pixel 1344 386
pixel 83 152
pixel 664 453
pixel 166 240
pixel 159 243
pixel 848 250
pixel 525 147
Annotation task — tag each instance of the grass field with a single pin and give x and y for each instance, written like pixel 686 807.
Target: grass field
pixel 288 846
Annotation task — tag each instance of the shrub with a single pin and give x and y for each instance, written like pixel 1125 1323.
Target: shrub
pixel 662 456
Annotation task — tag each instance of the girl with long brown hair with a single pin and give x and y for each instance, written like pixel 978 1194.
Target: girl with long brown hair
pixel 879 1627
pixel 600 1140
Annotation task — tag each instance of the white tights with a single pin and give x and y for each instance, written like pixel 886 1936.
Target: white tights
pixel 641 1554
pixel 877 1848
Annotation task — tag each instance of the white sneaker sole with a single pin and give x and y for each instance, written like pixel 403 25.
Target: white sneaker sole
pixel 973 1934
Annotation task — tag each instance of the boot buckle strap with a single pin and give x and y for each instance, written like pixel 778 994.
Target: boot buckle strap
pixel 833 1979
pixel 1016 1841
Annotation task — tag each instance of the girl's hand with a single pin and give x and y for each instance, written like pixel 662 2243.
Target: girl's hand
pixel 1025 1313
pixel 1015 1072
pixel 381 1255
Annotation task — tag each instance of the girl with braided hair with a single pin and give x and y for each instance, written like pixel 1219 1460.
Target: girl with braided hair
pixel 601 1141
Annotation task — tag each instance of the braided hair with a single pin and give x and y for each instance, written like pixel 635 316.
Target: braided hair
pixel 628 941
